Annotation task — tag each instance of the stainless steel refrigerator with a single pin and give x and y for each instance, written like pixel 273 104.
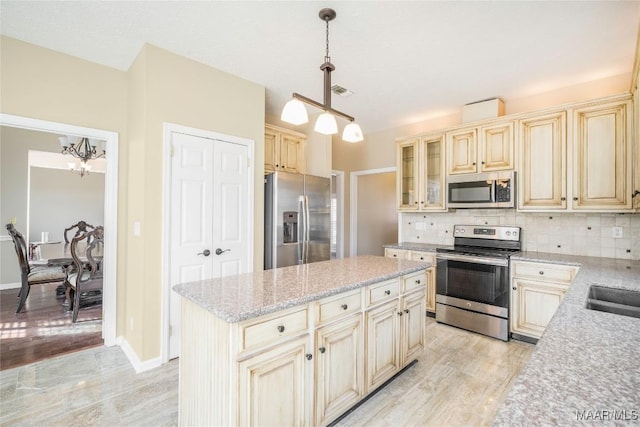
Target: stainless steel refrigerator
pixel 297 219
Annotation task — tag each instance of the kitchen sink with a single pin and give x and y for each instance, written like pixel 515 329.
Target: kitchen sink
pixel 611 300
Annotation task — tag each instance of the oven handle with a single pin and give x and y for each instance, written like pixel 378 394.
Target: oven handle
pixel 474 259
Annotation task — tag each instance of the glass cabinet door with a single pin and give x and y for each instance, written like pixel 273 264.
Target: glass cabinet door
pixel 408 192
pixel 433 181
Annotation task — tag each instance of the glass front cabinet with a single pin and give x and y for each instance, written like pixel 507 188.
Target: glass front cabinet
pixel 420 174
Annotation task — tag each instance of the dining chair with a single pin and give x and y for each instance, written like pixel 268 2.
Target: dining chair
pixel 80 226
pixel 85 278
pixel 31 275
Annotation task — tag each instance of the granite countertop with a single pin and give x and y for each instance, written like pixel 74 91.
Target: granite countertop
pixel 424 247
pixel 587 363
pixel 241 297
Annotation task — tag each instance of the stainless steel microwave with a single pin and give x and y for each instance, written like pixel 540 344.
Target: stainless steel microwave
pixel 482 190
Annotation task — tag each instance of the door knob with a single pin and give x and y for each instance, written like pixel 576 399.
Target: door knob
pixel 206 252
pixel 220 251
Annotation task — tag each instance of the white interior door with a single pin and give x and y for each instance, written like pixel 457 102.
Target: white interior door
pixel 209 215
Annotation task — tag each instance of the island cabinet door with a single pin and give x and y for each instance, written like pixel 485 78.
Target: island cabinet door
pixel 339 368
pixel 413 326
pixel 274 388
pixel 383 344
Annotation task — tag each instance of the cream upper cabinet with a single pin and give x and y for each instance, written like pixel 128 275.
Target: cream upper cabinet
pixel 481 149
pixel 602 156
pixel 537 291
pixel 420 175
pixel 462 151
pixel 543 165
pixel 283 150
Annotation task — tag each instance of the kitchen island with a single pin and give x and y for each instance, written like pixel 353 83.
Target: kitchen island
pixel 586 366
pixel 297 345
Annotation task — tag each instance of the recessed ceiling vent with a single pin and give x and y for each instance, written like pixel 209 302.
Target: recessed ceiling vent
pixel 342 91
pixel 481 110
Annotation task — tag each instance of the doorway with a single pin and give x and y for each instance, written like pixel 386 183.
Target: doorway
pixel 373 218
pixel 208 217
pixel 110 206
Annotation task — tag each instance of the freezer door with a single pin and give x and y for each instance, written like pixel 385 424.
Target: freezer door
pixel 283 219
pixel 318 195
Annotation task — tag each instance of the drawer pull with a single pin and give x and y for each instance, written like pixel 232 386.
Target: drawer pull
pixel 406 310
pixel 399 313
pixel 344 306
pixel 418 281
pixel 309 356
pixel 387 292
pixel 394 255
pixel 541 272
pixel 321 349
pixel 280 328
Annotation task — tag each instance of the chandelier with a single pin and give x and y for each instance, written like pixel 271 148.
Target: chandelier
pixel 295 113
pixel 84 149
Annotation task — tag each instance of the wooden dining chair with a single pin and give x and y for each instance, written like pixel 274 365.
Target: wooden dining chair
pixel 85 279
pixel 80 227
pixel 31 275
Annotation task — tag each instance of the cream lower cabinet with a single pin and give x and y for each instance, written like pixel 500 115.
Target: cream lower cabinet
pixel 339 367
pixel 395 335
pixel 431 272
pixel 274 386
pixel 537 289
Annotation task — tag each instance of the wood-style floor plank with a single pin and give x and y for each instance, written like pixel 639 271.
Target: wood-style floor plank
pixel 44 328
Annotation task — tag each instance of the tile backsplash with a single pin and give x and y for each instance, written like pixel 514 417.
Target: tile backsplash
pixel 588 234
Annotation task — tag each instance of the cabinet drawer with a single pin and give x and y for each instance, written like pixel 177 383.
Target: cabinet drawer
pixel 414 281
pixel 551 272
pixel 422 256
pixel 269 329
pixel 395 253
pixel 334 307
pixel 382 291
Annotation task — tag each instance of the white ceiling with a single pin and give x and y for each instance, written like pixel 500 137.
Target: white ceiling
pixel 405 61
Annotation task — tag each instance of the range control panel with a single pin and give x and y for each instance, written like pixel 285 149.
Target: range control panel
pixel 497 232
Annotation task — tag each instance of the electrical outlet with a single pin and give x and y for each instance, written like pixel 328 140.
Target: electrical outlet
pixel 136 228
pixel 616 232
pixel 421 226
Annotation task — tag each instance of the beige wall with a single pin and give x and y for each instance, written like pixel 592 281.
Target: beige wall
pixel 43 84
pixel 378 148
pixel 165 87
pixel 160 87
pixel 377 216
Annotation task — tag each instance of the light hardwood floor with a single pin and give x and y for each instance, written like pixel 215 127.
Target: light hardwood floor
pixel 461 379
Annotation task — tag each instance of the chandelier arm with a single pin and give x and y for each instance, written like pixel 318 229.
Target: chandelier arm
pixel 322 107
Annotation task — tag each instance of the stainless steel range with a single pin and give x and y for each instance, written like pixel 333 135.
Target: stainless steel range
pixel 472 289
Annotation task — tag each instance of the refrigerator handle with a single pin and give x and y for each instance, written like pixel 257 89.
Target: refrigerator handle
pixel 306 229
pixel 301 233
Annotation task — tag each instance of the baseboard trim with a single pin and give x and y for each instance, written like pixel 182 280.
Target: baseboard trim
pixel 137 364
pixel 5 286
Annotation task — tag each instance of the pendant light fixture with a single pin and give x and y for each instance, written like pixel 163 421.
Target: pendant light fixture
pixel 84 149
pixel 294 111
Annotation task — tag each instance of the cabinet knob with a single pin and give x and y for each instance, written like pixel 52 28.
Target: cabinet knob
pixel 415 203
pixel 474 163
pixel 406 310
pixel 399 313
pixel 541 272
pixel 418 281
pixel 422 203
pixel 309 356
pixel 387 292
pixel 322 349
pixel 344 306
pixel 277 166
pixel 575 199
pixel 394 255
pixel 514 288
pixel 421 258
pixel 635 193
pixel 482 162
pixel 280 328
pixel 563 198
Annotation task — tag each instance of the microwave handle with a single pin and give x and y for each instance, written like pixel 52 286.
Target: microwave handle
pixel 494 186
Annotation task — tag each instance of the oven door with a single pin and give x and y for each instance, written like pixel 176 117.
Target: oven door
pixel 473 283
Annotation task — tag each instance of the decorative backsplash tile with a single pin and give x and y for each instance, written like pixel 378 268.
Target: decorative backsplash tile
pixel 588 234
